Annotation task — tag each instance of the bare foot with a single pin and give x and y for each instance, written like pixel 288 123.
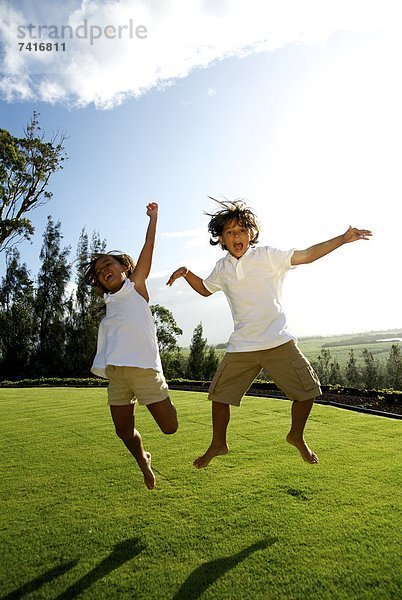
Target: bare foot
pixel 145 466
pixel 205 459
pixel 305 452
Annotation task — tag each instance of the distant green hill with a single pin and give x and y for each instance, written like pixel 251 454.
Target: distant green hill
pixel 378 342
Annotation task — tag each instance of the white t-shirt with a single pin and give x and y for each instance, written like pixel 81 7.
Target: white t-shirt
pixel 252 285
pixel 127 334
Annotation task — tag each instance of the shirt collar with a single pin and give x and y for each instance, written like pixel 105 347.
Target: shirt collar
pixel 234 260
pixel 125 288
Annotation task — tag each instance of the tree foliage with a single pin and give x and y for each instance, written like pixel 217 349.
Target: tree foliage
pixel 167 330
pixel 335 376
pixel 26 165
pixel 371 371
pixel 50 302
pixel 196 358
pixel 394 367
pixel 85 309
pixel 17 323
pixel 211 362
pixel 352 372
pixel 327 369
pixel 322 366
pixel 202 361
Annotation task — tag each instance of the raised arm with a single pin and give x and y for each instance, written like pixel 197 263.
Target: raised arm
pixel 192 279
pixel 309 255
pixel 144 262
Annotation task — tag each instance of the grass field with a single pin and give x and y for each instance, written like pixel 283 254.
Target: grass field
pixel 77 521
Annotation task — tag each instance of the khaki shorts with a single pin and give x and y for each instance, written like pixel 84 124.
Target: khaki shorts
pixel 128 384
pixel 285 364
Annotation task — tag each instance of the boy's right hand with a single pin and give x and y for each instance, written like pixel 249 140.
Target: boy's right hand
pixel 181 272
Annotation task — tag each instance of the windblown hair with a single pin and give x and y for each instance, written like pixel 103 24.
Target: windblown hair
pixel 89 272
pixel 232 211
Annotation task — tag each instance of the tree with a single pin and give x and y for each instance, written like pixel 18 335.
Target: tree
pixel 202 360
pixel 196 358
pixel 394 367
pixel 371 371
pixel 16 318
pixel 85 310
pixel 167 329
pixel 351 372
pixel 50 303
pixel 26 165
pixel 167 332
pixel 335 374
pixel 322 366
pixel 174 364
pixel 211 362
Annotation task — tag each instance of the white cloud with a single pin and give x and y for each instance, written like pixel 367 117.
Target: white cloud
pixel 181 36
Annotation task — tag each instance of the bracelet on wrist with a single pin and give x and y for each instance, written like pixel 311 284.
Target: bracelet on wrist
pixel 186 273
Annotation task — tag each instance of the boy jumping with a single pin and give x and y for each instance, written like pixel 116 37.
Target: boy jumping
pixel 252 278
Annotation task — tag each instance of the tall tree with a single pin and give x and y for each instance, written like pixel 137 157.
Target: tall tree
pixel 16 318
pixel 371 371
pixel 394 367
pixel 167 332
pixel 26 165
pixel 50 302
pixel 202 360
pixel 210 363
pixel 196 358
pixel 335 373
pixel 351 371
pixel 322 366
pixel 85 310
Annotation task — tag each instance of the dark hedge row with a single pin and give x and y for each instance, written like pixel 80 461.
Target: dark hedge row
pixel 258 386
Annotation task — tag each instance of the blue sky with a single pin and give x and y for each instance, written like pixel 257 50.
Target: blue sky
pixel 300 117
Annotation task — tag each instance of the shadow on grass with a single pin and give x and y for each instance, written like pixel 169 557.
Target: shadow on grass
pixel 205 575
pixel 38 582
pixel 121 553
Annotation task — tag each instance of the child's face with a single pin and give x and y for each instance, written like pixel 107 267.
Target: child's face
pixel 110 273
pixel 236 238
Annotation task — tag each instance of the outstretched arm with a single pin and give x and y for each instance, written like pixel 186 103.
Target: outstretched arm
pixel 143 266
pixel 309 255
pixel 192 279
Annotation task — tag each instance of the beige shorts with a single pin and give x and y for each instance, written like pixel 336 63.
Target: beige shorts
pixel 128 384
pixel 285 364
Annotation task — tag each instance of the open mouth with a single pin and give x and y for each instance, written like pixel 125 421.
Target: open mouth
pixel 238 246
pixel 108 276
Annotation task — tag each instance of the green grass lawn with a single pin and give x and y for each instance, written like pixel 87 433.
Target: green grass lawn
pixel 77 521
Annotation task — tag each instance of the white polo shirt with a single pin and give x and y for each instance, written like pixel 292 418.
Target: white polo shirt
pixel 252 285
